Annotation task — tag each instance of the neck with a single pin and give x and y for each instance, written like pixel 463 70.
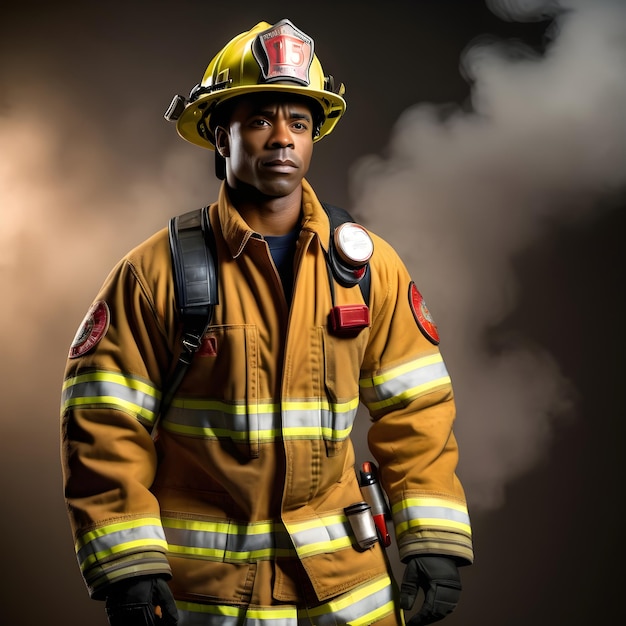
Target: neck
pixel 269 215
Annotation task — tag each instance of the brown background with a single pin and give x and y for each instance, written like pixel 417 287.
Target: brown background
pixel 487 145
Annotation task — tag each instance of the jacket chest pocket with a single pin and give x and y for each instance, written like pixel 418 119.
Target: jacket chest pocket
pixel 342 365
pixel 219 396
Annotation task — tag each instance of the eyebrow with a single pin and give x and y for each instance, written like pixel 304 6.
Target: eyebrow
pixel 292 114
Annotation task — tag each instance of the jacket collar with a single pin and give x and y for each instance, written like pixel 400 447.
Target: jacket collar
pixel 237 232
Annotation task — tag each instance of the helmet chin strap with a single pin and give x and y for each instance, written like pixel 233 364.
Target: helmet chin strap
pixel 220 166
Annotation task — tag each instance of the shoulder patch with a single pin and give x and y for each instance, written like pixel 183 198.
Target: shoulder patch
pixel 93 327
pixel 422 315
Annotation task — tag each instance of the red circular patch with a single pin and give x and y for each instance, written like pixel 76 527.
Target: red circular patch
pixel 422 315
pixel 91 330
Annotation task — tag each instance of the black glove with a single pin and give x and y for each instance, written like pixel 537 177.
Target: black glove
pixel 439 578
pixel 132 602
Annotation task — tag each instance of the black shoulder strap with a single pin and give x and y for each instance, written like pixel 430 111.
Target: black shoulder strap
pixel 194 264
pixel 346 275
pixel 192 246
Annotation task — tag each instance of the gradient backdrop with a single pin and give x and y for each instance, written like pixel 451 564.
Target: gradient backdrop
pixel 486 141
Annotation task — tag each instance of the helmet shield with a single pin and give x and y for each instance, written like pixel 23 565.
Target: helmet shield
pixel 284 52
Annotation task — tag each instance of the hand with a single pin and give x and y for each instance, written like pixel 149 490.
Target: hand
pixel 439 578
pixel 141 601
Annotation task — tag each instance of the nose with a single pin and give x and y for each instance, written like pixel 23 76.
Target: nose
pixel 280 136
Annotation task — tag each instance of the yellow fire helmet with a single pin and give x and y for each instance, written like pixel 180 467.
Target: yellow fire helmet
pixel 277 58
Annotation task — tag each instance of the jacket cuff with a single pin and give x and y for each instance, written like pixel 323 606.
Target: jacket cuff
pixel 100 577
pixel 458 547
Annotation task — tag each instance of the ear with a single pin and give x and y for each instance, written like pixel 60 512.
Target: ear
pixel 221 141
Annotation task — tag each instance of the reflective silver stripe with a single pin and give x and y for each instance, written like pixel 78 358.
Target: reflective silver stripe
pixel 193 614
pixel 363 605
pixel 231 542
pixel 401 384
pixel 224 541
pixel 417 513
pixel 327 534
pixel 214 419
pixel 120 537
pixel 102 389
pixel 305 419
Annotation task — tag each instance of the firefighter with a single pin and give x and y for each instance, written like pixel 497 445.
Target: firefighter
pixel 245 507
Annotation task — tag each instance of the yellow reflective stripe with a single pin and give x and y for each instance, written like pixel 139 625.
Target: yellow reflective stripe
pixel 428 501
pixel 104 531
pixel 263 540
pixel 280 616
pixel 265 407
pixel 226 541
pixel 119 537
pixel 408 394
pixel 311 524
pixel 213 433
pixel 346 410
pixel 312 432
pixel 212 609
pixel 102 389
pixel 114 377
pixel 430 512
pixel 299 419
pixel 347 605
pixel 219 535
pixel 93 558
pixel 215 419
pixel 315 536
pixel 363 605
pixel 405 368
pixel 399 385
pixel 426 522
pixel 375 615
pixel 111 402
pixel 228 555
pixel 222 406
pixel 321 547
pixel 322 403
pixel 258 613
pixel 358 594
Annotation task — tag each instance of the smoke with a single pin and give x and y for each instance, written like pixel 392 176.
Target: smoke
pixel 463 193
pixel 64 222
pixel 468 191
pixel 544 142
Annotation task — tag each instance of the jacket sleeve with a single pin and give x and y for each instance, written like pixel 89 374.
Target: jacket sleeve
pixel 111 395
pixel 406 388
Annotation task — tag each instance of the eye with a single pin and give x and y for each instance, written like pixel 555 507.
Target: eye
pixel 259 121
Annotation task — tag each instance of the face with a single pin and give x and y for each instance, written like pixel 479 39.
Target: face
pixel 268 144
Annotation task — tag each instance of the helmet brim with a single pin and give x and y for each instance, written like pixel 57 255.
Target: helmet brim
pixel 199 111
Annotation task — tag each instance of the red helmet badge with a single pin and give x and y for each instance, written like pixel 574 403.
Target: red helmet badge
pixel 284 52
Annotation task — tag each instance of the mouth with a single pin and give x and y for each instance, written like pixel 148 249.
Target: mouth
pixel 280 165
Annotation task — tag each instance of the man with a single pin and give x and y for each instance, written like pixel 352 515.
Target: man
pixel 237 507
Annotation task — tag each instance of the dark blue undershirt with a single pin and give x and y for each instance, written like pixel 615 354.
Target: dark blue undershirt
pixel 283 250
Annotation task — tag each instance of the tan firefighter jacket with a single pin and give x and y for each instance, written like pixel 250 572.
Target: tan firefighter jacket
pixel 253 465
